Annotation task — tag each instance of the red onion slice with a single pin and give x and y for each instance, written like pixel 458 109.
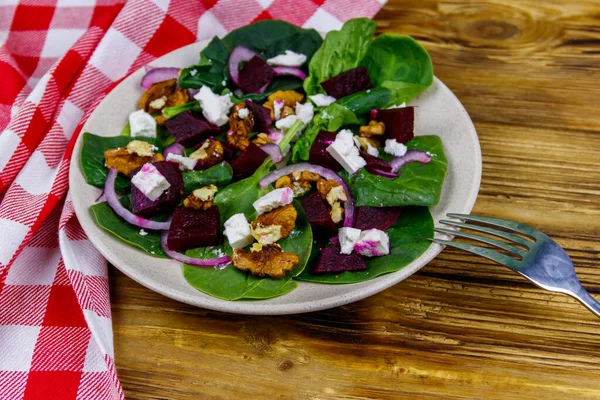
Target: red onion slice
pixel 237 56
pixel 297 72
pixel 325 173
pixel 373 114
pixel 410 156
pixel 384 174
pixel 158 75
pixel 198 262
pixel 175 148
pixel 272 150
pixel 115 204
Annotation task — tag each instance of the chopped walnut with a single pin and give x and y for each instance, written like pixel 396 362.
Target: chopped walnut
pixel 365 142
pixel 125 159
pixel 287 111
pixel 201 199
pixel 261 139
pixel 334 193
pixel 239 128
pixel 268 234
pixel 336 212
pixel 141 148
pixel 299 188
pixel 289 98
pixel 271 261
pixel 284 217
pixel 149 101
pixel 324 186
pixel 306 176
pixel 373 129
pixel 255 247
pixel 284 181
pixel 210 153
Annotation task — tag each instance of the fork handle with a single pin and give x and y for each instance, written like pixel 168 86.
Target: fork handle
pixel 587 300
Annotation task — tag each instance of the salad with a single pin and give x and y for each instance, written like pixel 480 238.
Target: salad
pixel 279 157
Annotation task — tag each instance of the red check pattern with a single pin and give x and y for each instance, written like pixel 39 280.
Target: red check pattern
pixel 58 58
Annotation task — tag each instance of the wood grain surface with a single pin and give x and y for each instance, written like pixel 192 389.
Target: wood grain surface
pixel 528 72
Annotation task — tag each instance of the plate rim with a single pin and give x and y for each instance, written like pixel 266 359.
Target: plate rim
pixel 252 307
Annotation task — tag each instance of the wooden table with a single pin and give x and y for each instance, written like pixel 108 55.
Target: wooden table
pixel 528 72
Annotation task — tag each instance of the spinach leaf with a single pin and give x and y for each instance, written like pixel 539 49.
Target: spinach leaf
pixel 417 184
pixel 230 283
pixel 341 51
pixel 92 158
pixel 363 102
pixel 219 175
pixel 408 240
pixel 400 64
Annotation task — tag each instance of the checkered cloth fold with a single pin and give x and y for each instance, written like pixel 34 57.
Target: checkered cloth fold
pixel 58 58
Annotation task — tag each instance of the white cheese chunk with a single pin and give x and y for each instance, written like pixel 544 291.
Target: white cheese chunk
pixel 150 182
pixel 215 108
pixel 185 163
pixel 193 72
pixel 321 100
pixel 237 230
pixel 394 148
pixel 287 122
pixel 373 243
pixel 142 124
pixel 305 112
pixel 277 106
pixel 289 59
pixel 243 113
pixel 274 199
pixel 348 238
pixel 344 151
pixel 143 232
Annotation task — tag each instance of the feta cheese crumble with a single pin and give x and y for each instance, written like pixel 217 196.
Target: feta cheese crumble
pixel 237 230
pixel 277 106
pixel 184 162
pixel 150 182
pixel 193 72
pixel 394 148
pixel 142 124
pixel 371 150
pixel 397 106
pixel 289 59
pixel 321 100
pixel 143 232
pixel 305 112
pixel 348 238
pixel 344 151
pixel 215 108
pixel 287 122
pixel 373 243
pixel 243 113
pixel 274 199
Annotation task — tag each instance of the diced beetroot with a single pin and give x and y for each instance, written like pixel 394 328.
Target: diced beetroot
pixel 317 213
pixel 189 129
pixel 191 228
pixel 229 151
pixel 399 123
pixel 255 74
pixel 319 154
pixel 381 218
pixel 248 162
pixel 375 163
pixel 262 117
pixel 346 83
pixel 331 260
pixel 144 207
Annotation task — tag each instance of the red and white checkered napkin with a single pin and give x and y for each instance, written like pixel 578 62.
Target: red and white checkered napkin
pixel 57 60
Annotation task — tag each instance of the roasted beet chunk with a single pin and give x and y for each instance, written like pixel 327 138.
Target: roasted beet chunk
pixel 262 117
pixel 346 83
pixel 144 207
pixel 255 74
pixel 399 123
pixel 381 218
pixel 331 260
pixel 191 228
pixel 189 129
pixel 319 154
pixel 375 163
pixel 248 162
pixel 317 213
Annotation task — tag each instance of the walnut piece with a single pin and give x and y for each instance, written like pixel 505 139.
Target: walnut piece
pixel 365 142
pixel 239 128
pixel 287 111
pixel 285 217
pixel 125 159
pixel 201 199
pixel 336 212
pixel 261 139
pixel 373 129
pixel 289 98
pixel 271 261
pixel 210 153
pixel 334 193
pixel 324 186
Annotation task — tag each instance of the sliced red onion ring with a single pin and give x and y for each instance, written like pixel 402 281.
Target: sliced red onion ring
pixel 175 148
pixel 273 150
pixel 158 75
pixel 410 156
pixel 237 56
pixel 115 204
pixel 99 197
pixel 385 174
pixel 373 114
pixel 297 72
pixel 275 135
pixel 325 173
pixel 211 262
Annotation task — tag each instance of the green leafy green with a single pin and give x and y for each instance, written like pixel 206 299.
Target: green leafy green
pixel 363 102
pixel 400 64
pixel 408 240
pixel 417 184
pixel 230 283
pixel 170 112
pixel 341 51
pixel 92 158
pixel 219 175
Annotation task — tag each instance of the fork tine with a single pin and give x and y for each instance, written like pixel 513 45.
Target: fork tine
pixel 503 223
pixel 482 251
pixel 493 242
pixel 491 231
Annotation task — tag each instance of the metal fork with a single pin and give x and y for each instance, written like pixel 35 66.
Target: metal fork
pixel 542 261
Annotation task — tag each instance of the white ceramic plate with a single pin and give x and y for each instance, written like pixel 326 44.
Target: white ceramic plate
pixel 439 113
